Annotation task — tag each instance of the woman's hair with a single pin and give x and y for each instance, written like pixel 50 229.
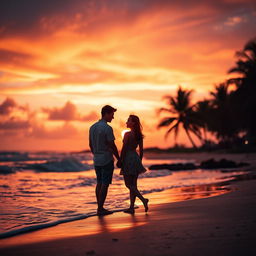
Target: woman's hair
pixel 137 127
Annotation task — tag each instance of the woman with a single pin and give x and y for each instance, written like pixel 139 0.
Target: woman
pixel 131 161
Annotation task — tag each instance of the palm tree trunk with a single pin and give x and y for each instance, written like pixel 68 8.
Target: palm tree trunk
pixel 192 142
pixel 199 137
pixel 205 133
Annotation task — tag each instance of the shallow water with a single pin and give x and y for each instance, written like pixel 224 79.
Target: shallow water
pixel 32 196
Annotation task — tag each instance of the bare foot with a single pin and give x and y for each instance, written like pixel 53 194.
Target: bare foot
pixel 129 210
pixel 145 203
pixel 103 212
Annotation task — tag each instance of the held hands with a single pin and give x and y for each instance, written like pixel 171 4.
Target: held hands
pixel 119 164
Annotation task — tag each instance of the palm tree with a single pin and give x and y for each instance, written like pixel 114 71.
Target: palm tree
pixel 203 112
pixel 245 66
pixel 245 94
pixel 182 114
pixel 222 121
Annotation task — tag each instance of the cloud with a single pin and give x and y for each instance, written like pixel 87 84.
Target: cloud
pixel 15 124
pixel 13 56
pixel 90 117
pixel 18 121
pixel 14 116
pixel 87 42
pixel 10 107
pixel 61 132
pixel 19 16
pixel 68 113
pixel 7 106
pixel 45 17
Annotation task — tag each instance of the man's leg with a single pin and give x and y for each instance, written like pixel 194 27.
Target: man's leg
pixel 97 192
pixel 102 196
pixel 106 174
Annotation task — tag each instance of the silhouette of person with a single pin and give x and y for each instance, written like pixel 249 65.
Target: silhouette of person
pixel 131 165
pixel 102 145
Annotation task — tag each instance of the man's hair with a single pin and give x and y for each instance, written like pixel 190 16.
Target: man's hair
pixel 107 110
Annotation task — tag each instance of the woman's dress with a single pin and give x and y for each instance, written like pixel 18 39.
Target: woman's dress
pixel 131 164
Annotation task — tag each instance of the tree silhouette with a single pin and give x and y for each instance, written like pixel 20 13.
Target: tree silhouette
pixel 245 94
pixel 229 113
pixel 182 115
pixel 222 122
pixel 203 111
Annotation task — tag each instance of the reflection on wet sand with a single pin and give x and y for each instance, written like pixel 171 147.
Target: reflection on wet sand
pixel 116 224
pixel 188 193
pixel 89 226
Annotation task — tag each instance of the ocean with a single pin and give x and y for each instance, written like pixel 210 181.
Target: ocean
pixel 43 189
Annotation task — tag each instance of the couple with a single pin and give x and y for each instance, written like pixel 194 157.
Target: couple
pixel 103 147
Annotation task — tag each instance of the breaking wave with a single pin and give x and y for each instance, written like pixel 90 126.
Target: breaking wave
pixel 68 164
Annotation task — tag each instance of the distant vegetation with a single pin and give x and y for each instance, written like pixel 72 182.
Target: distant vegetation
pixel 229 113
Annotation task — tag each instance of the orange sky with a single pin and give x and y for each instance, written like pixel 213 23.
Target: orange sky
pixel 61 61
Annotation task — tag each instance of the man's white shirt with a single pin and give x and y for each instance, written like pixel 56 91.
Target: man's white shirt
pixel 100 134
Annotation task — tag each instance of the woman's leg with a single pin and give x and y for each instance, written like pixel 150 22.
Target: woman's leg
pixel 128 183
pixel 142 198
pixel 132 194
pixel 132 185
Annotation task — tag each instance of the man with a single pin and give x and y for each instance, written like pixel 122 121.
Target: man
pixel 102 145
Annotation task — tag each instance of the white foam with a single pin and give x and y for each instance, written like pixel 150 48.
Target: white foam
pixel 41 226
pixel 67 164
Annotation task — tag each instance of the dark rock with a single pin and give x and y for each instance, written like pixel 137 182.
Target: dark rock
pixel 6 169
pixel 223 163
pixel 92 252
pixel 173 167
pixel 208 164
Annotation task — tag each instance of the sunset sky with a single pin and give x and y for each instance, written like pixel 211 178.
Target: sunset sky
pixel 62 60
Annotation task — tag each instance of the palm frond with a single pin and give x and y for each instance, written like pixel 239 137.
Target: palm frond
pixel 169 130
pixel 166 121
pixel 160 110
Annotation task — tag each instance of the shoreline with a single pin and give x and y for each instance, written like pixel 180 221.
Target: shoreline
pixel 167 225
pixel 208 190
pixel 179 193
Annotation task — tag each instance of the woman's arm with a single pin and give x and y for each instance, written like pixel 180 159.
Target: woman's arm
pixel 141 149
pixel 124 147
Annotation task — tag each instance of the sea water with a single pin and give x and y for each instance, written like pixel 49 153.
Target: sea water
pixel 42 189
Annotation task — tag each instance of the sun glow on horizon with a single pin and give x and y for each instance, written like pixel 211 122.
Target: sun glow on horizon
pixel 124 132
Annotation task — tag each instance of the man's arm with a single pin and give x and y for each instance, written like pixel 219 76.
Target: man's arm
pixel 90 145
pixel 90 141
pixel 113 147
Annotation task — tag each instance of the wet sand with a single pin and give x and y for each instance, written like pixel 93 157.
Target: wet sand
pixel 220 225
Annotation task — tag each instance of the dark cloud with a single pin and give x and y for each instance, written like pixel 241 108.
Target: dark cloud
pixel 7 106
pixel 38 17
pixel 12 56
pixel 14 59
pixel 68 113
pixel 19 16
pixel 24 123
pixel 10 120
pixel 14 124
